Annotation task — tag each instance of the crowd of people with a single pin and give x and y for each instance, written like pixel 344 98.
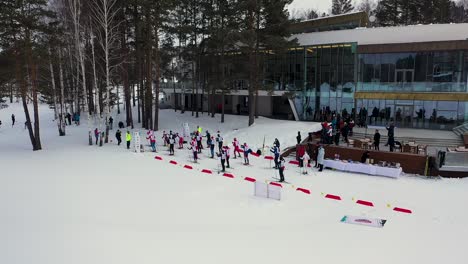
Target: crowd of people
pixel 339 130
pixel 338 127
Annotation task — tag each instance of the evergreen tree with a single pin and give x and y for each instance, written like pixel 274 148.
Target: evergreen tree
pixel 410 12
pixel 341 7
pixel 22 26
pixel 458 11
pixel 367 6
pixel 388 13
pixel 266 27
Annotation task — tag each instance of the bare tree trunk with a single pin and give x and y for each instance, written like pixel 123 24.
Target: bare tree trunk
pixel 126 85
pixel 223 77
pixel 118 99
pixel 58 118
pixel 252 71
pixel 139 65
pixel 156 84
pixel 35 107
pixel 35 136
pixel 104 14
pixel 213 100
pixel 62 94
pixel 97 92
pixel 139 102
pixel 20 80
pixel 133 94
pixel 194 91
pixel 11 93
pixel 149 71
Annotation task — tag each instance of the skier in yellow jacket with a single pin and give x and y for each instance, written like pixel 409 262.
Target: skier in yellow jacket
pixel 129 138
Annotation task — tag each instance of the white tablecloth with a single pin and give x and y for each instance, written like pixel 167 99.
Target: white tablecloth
pixel 363 168
pixel 335 164
pixel 388 172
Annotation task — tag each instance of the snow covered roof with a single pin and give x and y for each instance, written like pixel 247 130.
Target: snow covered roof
pixel 387 35
pixel 333 16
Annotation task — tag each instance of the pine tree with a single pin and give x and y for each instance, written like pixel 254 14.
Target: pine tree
pixel 266 27
pixel 21 27
pixel 367 6
pixel 388 13
pixel 341 7
pixel 410 12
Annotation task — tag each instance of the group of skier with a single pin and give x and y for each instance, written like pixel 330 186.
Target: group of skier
pixel 223 151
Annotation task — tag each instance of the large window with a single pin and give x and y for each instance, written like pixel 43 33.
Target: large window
pixel 323 78
pixel 414 72
pixel 413 113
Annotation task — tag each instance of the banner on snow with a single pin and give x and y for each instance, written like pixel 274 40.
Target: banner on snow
pixel 267 191
pixel 186 132
pixel 362 220
pixel 137 140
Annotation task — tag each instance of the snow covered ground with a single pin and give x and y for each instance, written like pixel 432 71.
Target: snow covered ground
pixel 74 203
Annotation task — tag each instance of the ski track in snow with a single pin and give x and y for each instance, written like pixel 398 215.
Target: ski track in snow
pixel 74 203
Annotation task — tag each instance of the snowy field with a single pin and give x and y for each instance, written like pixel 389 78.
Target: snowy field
pixel 74 203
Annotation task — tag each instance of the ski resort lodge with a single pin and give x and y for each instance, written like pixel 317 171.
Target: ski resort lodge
pixel 415 76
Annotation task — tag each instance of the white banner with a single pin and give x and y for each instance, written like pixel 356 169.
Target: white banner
pixel 137 141
pixel 186 132
pixel 261 189
pixel 274 192
pixel 362 220
pixel 267 191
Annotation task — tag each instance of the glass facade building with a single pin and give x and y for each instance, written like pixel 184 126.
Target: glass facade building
pixel 414 72
pixel 323 78
pixel 415 76
pixel 411 89
pixel 425 78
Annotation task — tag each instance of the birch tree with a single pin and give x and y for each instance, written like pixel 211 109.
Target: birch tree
pixel 59 117
pixel 104 16
pixel 75 7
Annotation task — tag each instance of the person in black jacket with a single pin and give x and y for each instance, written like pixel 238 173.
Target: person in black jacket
pixel 68 117
pixel 298 138
pixel 390 133
pixel 281 169
pixel 391 143
pixel 376 139
pixel 111 123
pixel 345 132
pixel 118 135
